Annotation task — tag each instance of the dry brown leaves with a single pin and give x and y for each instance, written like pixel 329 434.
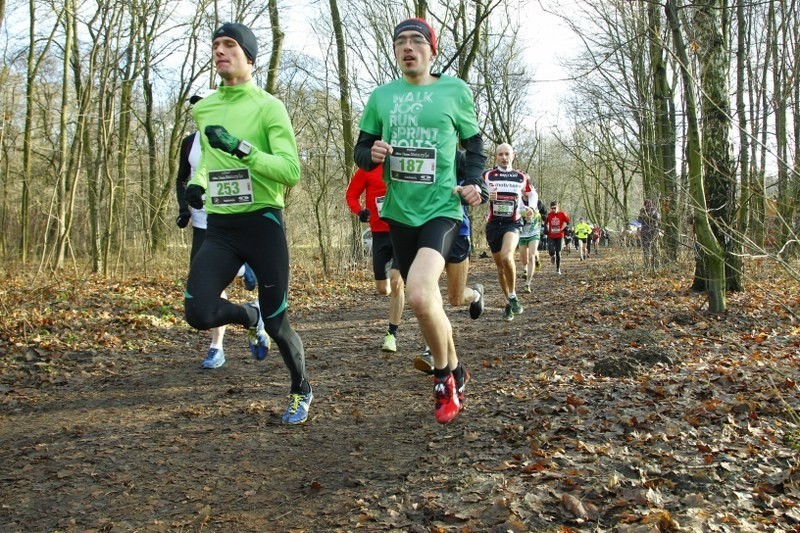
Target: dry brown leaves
pixel 615 402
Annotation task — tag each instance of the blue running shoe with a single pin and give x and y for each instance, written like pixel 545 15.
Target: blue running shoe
pixel 214 359
pixel 297 412
pixel 249 278
pixel 257 336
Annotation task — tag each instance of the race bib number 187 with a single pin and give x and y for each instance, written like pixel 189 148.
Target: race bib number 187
pixel 416 165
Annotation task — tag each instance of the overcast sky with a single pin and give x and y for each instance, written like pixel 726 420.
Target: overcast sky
pixel 547 40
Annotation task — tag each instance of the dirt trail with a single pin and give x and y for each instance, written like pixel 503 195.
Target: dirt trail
pixel 132 440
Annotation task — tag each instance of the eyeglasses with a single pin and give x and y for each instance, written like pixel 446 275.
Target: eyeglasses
pixel 554 208
pixel 416 40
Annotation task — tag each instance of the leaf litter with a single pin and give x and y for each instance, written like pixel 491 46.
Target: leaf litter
pixel 615 402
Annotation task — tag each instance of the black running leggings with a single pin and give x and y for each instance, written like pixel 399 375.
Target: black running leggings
pixel 258 239
pixel 554 249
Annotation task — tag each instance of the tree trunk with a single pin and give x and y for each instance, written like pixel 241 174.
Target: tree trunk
pixel 712 27
pixel 742 39
pixel 277 47
pixel 664 126
pixel 710 250
pixel 761 127
pixel 346 116
pixel 68 165
pixel 786 204
pixel 32 69
pixel 27 137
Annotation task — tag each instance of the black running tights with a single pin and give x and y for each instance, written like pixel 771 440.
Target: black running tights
pixel 258 239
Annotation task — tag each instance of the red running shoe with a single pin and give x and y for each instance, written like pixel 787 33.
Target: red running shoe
pixel 446 405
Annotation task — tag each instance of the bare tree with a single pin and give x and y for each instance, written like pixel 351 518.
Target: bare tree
pixel 34 61
pixel 663 126
pixel 277 47
pixel 627 91
pixel 711 25
pixel 711 252
pixel 502 88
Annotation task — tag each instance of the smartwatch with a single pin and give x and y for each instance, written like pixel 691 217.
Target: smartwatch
pixel 243 149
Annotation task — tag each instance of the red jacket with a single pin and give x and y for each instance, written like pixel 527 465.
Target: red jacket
pixel 556 220
pixel 371 182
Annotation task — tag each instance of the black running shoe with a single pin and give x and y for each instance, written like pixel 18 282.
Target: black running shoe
pixel 476 308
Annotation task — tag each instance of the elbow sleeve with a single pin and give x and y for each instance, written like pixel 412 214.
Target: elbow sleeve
pixel 475 162
pixel 361 153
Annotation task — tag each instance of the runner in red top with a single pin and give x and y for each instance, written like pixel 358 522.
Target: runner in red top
pixel 554 225
pixel 595 239
pixel 369 183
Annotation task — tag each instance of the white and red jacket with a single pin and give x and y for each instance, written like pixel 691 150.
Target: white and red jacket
pixel 510 186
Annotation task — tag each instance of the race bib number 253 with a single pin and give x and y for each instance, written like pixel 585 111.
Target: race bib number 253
pixel 230 187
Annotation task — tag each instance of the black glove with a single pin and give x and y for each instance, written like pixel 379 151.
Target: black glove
pixel 194 196
pixel 218 137
pixel 363 215
pixel 183 219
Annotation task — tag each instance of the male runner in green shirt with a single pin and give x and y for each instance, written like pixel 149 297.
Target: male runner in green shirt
pixel 248 156
pixel 412 126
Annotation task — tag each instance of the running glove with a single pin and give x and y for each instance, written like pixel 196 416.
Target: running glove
pixel 218 137
pixel 194 196
pixel 183 219
pixel 363 215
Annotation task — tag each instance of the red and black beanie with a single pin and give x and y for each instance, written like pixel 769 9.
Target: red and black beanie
pixel 418 25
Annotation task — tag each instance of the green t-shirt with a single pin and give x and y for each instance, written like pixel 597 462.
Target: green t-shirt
pixel 423 123
pixel 258 180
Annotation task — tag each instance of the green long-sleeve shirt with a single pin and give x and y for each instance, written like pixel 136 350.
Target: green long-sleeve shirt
pixel 582 230
pixel 251 114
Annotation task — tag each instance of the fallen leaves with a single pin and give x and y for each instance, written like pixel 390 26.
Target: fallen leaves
pixel 579 509
pixel 627 408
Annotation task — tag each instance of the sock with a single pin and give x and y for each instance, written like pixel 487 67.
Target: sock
pixel 393 328
pixel 215 345
pixel 304 388
pixel 458 373
pixel 512 295
pixel 477 295
pixel 441 373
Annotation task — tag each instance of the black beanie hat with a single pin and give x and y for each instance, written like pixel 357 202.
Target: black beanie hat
pixel 242 35
pixel 418 25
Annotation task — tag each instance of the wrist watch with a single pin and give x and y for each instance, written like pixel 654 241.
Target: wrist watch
pixel 243 149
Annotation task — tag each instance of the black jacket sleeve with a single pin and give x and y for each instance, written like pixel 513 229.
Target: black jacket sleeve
pixel 362 154
pixel 475 162
pixel 461 168
pixel 184 173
